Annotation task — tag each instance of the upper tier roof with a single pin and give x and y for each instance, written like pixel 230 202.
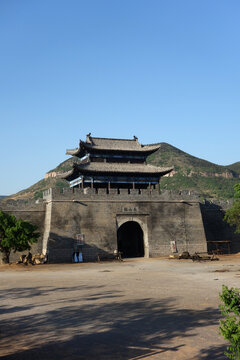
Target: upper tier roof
pixel 108 144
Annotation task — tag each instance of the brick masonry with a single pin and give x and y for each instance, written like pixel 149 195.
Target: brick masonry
pixel 31 211
pixel 169 216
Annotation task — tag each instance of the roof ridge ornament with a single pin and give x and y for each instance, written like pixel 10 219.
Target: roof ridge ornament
pixel 135 138
pixel 88 138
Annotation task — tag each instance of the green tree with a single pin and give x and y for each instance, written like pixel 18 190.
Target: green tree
pixel 232 215
pixel 15 235
pixel 230 326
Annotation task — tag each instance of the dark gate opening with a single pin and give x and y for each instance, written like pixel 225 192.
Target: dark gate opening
pixel 130 240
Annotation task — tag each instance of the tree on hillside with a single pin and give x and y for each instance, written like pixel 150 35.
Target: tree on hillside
pixel 15 235
pixel 232 216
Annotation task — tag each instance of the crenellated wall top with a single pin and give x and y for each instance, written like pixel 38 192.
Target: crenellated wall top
pixel 121 194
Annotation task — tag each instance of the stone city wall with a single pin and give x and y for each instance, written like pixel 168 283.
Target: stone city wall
pixel 31 211
pixel 216 229
pixel 98 218
pixel 171 216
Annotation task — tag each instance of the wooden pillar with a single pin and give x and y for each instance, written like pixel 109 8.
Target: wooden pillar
pixel 159 187
pixel 82 182
pixel 133 185
pixel 92 184
pixel 109 186
pixel 149 188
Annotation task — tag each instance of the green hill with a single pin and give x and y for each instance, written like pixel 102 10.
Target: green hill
pixel 235 167
pixel 36 190
pixel 65 165
pixel 209 179
pixel 191 173
pixel 169 155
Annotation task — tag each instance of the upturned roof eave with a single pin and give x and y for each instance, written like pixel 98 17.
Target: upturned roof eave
pixel 66 174
pixel 76 151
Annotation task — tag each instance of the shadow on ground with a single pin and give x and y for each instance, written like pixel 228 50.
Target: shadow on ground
pixel 105 330
pixel 214 352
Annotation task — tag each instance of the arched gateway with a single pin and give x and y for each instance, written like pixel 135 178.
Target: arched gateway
pixel 130 240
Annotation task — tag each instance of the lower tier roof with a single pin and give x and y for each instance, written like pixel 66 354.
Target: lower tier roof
pixel 102 168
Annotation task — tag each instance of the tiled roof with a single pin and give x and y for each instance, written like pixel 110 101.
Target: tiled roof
pixel 119 144
pixel 102 167
pixel 113 144
pixel 122 167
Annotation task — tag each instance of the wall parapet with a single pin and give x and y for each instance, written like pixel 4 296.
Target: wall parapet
pixel 119 194
pixel 22 205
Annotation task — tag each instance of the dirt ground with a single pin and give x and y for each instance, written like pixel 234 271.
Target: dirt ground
pixel 135 309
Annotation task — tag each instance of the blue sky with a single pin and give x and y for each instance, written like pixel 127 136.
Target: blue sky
pixel 166 71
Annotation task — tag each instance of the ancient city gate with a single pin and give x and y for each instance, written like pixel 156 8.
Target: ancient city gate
pixel 132 236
